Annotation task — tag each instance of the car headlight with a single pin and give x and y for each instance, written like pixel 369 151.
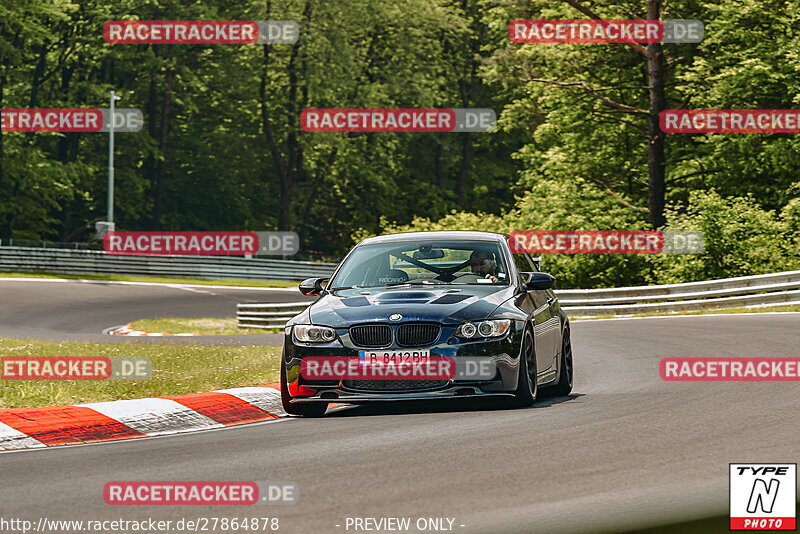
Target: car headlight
pixel 308 333
pixel 493 328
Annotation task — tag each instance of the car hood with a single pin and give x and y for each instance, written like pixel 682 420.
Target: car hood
pixel 442 304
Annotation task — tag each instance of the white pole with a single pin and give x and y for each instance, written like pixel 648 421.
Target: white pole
pixel 110 217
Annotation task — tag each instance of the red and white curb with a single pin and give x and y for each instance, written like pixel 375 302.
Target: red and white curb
pixel 128 331
pixel 29 428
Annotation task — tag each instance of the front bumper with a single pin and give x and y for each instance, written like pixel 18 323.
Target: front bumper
pixel 504 351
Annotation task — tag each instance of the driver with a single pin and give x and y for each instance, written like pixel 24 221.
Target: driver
pixel 481 265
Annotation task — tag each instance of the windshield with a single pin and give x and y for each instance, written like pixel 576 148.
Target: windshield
pixel 423 263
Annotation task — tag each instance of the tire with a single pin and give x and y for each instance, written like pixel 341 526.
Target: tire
pixel 527 388
pixel 567 372
pixel 316 409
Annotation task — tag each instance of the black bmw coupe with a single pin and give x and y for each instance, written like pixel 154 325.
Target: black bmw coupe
pixel 417 296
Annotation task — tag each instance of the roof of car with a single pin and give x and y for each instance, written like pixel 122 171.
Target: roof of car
pixel 453 235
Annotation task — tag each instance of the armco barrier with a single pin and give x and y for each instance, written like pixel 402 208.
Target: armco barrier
pixel 267 315
pixel 209 267
pixel 759 290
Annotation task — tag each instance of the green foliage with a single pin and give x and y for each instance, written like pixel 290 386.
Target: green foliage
pixel 747 60
pixel 222 147
pixel 741 239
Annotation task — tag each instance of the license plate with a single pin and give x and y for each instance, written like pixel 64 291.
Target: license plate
pixel 394 357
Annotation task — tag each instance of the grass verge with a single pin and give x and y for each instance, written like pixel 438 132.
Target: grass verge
pixel 227 326
pixel 787 308
pixel 151 279
pixel 207 326
pixel 177 370
pixel 709 525
pixel 699 526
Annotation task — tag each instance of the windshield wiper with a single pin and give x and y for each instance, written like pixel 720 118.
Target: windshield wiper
pixel 391 284
pixel 417 282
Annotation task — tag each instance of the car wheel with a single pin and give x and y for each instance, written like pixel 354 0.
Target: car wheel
pixel 566 378
pixel 527 388
pixel 316 409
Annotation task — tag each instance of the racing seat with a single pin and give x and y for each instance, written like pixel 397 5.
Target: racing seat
pixel 392 276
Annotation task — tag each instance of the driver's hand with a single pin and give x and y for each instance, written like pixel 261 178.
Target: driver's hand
pixel 492 278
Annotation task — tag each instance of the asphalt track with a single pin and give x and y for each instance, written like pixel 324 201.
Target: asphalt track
pixel 626 450
pixel 53 310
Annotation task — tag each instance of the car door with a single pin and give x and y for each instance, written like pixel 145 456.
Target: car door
pixel 538 305
pixel 552 331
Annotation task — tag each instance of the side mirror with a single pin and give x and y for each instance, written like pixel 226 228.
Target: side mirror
pixel 538 281
pixel 312 286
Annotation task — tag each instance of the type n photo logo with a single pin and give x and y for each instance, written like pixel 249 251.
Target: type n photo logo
pixel 763 496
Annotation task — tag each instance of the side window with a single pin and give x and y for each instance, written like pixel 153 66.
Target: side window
pixel 536 261
pixel 524 263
